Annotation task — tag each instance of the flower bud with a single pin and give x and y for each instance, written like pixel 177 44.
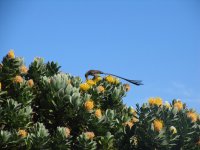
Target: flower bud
pixel 173 130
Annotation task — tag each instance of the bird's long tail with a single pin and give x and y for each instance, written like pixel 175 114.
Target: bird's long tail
pixel 136 82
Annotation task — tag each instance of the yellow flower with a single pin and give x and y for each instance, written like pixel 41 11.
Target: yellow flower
pixel 178 105
pixel 90 82
pixel 1 65
pixel 11 54
pixel 198 143
pixel 23 69
pixel 127 87
pixel 134 120
pixel 158 101
pixel 132 110
pixel 100 89
pixel 110 79
pixel 116 81
pixel 84 86
pixel 89 105
pixel 158 125
pixel 89 135
pixel 173 130
pixel 68 82
pixel 22 133
pixel 155 101
pixel 18 79
pixel 151 101
pixel 129 123
pixel 30 83
pixel 193 116
pixel 67 132
pixel 98 113
pixel 167 104
pixel 0 86
pixel 97 79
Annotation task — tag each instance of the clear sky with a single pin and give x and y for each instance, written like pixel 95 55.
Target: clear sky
pixel 156 41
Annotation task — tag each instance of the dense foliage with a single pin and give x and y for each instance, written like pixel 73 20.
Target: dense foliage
pixel 44 108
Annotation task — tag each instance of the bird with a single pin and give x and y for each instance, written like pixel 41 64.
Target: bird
pixel 95 74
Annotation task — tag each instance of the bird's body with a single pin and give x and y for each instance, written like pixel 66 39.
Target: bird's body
pixel 95 74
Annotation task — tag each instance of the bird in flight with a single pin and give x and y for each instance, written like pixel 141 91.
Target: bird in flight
pixel 95 74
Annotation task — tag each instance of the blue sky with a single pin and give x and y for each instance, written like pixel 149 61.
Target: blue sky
pixel 156 41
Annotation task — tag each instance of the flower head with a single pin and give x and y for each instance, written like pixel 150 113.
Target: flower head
pixel 192 115
pixel 84 86
pixel 90 82
pixel 98 113
pixel 158 101
pixel 127 87
pixel 89 135
pixel 167 104
pixel 68 81
pixel 18 79
pixel 132 110
pixel 151 101
pixel 11 54
pixel 30 83
pixel 198 143
pixel 22 133
pixel 100 89
pixel 23 69
pixel 158 125
pixel 129 123
pixel 97 79
pixel 173 130
pixel 178 105
pixel 89 105
pixel 134 120
pixel 155 101
pixel 1 65
pixel 67 132
pixel 116 80
pixel 110 79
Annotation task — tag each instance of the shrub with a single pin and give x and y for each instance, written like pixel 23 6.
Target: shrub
pixel 44 108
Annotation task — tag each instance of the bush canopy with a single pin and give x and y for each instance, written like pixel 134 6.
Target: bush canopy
pixel 44 108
